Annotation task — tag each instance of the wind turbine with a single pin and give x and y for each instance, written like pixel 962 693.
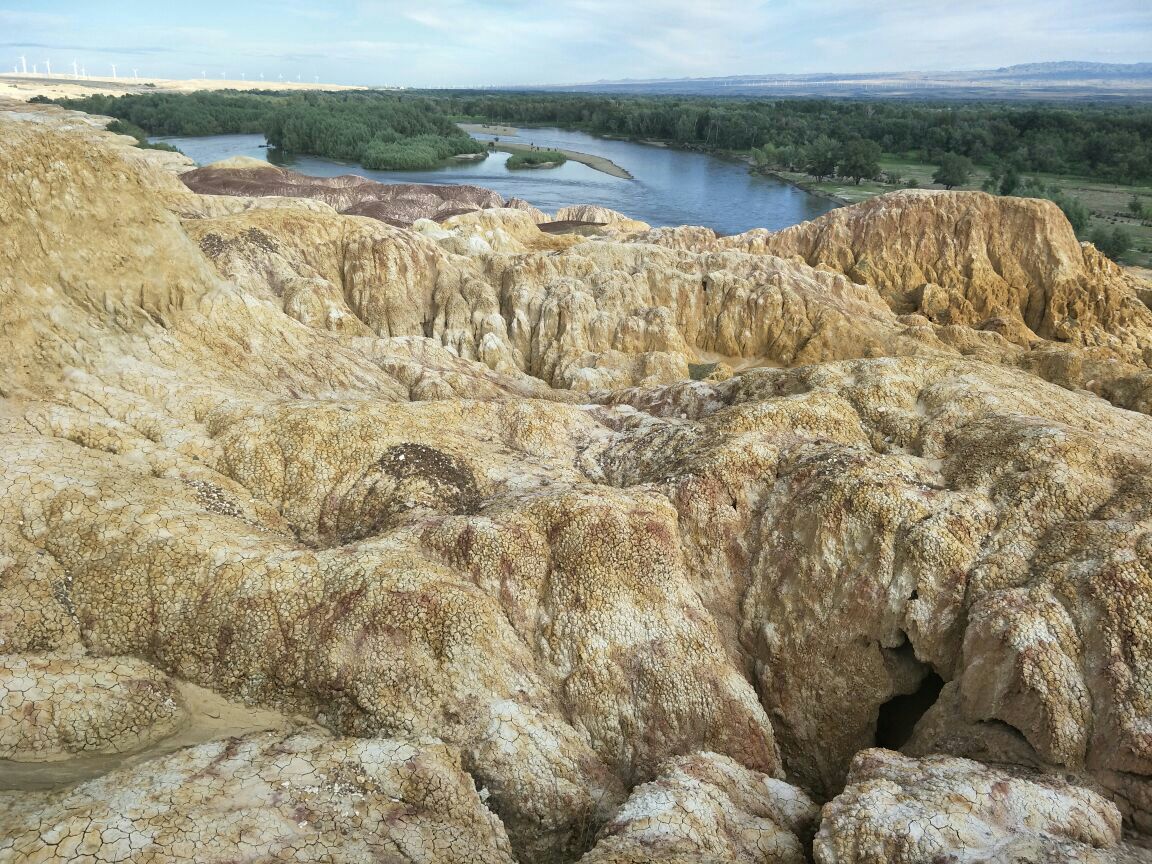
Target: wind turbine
pixel 48 66
pixel 135 76
pixel 113 65
pixel 34 72
pixel 75 70
pixel 24 64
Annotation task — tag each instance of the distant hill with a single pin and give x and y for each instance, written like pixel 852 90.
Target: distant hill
pixel 1074 69
pixel 1059 80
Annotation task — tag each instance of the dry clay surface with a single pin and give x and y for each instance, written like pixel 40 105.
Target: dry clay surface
pixel 452 494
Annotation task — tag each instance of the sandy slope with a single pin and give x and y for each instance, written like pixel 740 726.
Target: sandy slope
pixel 24 87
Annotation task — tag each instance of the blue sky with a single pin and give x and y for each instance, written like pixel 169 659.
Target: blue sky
pixel 500 42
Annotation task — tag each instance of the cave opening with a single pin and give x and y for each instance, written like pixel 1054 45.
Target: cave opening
pixel 900 714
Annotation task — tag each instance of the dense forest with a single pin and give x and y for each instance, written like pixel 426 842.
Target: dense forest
pixel 406 130
pixel 1108 142
pixel 378 130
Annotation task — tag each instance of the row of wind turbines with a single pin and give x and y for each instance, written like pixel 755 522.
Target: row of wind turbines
pixel 80 72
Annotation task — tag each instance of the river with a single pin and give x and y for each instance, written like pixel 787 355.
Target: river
pixel 671 187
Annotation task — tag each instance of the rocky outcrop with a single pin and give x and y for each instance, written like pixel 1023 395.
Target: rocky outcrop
pixel 458 483
pixel 573 313
pixel 998 273
pixel 1000 278
pixel 943 809
pixel 394 203
pixel 1010 264
pixel 602 216
pixel 705 807
pixel 266 797
pixel 53 706
pixel 902 467
pixel 538 215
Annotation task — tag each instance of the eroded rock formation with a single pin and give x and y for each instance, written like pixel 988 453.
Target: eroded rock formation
pixel 394 203
pixel 454 494
pixel 53 706
pixel 944 809
pixel 707 807
pixel 266 798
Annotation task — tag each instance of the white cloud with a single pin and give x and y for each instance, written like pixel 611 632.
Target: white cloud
pixel 470 42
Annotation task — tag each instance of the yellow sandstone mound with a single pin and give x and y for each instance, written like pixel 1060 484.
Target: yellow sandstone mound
pixel 628 547
pixel 898 809
pixel 267 797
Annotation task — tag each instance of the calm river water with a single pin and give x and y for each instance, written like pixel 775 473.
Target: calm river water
pixel 672 187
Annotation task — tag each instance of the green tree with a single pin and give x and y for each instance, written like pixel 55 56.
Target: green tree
pixel 1010 181
pixel 859 159
pixel 954 170
pixel 767 156
pixel 820 159
pixel 1112 243
pixel 1074 210
pixel 1136 207
pixel 992 181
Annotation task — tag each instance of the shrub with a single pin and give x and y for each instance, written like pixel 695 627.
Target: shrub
pixel 418 153
pixel 123 127
pixel 1112 243
pixel 954 170
pixel 536 158
pixel 158 145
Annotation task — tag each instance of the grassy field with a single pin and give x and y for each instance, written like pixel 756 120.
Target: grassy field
pixel 1107 202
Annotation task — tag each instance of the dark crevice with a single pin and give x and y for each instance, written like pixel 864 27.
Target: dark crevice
pixel 900 714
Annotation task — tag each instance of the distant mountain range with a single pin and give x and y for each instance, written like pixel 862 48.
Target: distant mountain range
pixel 1062 80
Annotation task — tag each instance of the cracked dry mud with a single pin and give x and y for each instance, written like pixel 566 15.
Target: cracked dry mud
pixel 444 511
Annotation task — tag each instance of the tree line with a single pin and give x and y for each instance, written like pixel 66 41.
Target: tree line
pixel 820 136
pixel 1103 141
pixel 378 130
pixel 826 137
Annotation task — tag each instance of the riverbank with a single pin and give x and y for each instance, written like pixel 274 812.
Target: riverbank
pixel 488 129
pixel 599 163
pixel 671 186
pixel 811 189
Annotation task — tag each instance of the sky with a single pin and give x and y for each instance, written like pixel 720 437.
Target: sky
pixel 507 42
